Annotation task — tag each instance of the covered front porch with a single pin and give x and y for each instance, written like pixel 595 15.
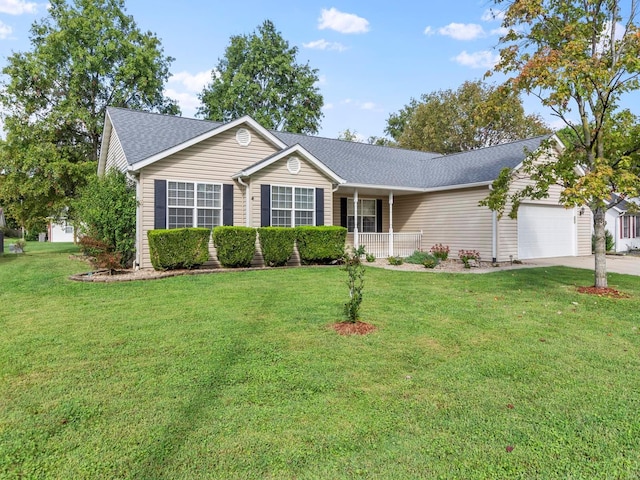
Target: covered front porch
pixel 368 214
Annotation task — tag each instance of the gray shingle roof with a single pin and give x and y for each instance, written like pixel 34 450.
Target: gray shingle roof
pixel 144 135
pixel 476 166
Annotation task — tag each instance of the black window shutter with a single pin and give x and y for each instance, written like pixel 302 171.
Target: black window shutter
pixel 379 215
pixel 319 206
pixel 343 212
pixel 265 205
pixel 160 204
pixel 227 204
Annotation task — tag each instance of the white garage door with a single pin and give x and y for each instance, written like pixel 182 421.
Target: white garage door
pixel 545 231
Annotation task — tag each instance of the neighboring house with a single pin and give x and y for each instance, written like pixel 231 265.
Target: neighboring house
pixel 623 222
pixel 60 231
pixel 199 173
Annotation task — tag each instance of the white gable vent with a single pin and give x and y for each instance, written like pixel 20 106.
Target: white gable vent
pixel 243 137
pixel 293 165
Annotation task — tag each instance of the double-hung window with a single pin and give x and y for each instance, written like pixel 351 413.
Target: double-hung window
pixel 637 226
pixel 625 231
pixel 367 220
pixel 192 204
pixel 292 206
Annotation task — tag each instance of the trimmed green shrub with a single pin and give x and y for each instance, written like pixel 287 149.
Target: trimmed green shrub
pixel 236 246
pixel 322 245
pixel 370 257
pixel 277 244
pixel 178 248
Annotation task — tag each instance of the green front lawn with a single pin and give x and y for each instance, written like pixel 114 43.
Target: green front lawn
pixel 236 375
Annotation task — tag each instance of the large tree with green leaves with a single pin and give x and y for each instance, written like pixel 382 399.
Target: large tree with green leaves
pixel 85 55
pixel 259 76
pixel 475 115
pixel 579 57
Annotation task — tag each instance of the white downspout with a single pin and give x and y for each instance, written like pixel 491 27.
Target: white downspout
pixel 391 224
pixel 247 210
pixel 356 240
pixel 138 243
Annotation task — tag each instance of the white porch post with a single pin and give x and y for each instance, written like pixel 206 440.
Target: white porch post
pixel 356 240
pixel 391 224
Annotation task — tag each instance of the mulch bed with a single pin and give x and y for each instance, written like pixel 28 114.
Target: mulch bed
pixel 603 292
pixel 350 328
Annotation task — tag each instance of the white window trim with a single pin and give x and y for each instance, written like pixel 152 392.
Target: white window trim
pixel 293 203
pixel 195 206
pixel 360 216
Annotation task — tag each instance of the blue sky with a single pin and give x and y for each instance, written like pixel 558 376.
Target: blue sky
pixel 372 57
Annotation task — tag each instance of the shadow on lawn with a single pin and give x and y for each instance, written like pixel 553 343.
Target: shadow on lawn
pixel 547 278
pixel 207 391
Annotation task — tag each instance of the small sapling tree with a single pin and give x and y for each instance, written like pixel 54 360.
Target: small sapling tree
pixel 355 270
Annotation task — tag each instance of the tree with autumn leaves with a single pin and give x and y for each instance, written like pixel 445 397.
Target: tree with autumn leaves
pixel 580 58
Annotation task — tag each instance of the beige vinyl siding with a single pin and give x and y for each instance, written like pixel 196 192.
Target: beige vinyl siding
pixel 409 213
pixel 278 174
pixel 213 160
pixel 454 218
pixel 585 227
pixel 115 154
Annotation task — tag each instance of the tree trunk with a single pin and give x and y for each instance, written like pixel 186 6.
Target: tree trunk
pixel 601 252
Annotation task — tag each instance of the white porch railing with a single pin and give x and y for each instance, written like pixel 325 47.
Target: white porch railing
pixel 404 244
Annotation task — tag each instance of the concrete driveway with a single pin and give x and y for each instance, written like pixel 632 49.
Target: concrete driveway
pixel 627 264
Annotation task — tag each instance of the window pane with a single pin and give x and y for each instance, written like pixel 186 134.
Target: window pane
pixel 209 195
pixel 304 198
pixel 304 218
pixel 367 207
pixel 637 226
pixel 350 206
pixel 369 224
pixel 281 218
pixel 281 197
pixel 208 218
pixel 180 217
pixel 180 194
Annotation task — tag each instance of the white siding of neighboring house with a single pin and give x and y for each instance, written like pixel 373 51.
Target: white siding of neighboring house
pixel 615 228
pixel 214 160
pixel 61 232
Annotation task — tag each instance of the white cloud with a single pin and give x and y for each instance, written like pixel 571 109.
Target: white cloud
pixel 500 31
pixel 328 106
pixel 342 22
pixel 17 7
pixel 493 14
pixel 429 30
pixel 5 30
pixel 322 44
pixel 368 106
pixel 188 102
pixel 482 59
pixel 191 82
pixel 462 31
